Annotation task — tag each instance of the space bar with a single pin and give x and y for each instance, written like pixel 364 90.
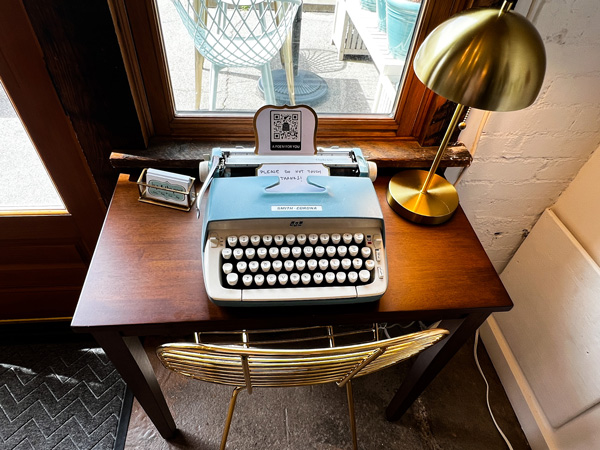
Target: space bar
pixel 299 293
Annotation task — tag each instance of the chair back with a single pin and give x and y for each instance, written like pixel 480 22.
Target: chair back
pixel 250 366
pixel 238 33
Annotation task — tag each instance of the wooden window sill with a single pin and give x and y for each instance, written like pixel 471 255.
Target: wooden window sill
pixel 387 153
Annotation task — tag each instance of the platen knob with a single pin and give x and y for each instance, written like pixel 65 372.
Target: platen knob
pixel 372 171
pixel 203 171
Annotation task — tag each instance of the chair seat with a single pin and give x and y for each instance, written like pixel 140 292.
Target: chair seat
pixel 290 358
pixel 237 52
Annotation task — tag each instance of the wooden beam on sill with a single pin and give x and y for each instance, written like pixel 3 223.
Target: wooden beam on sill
pixel 387 153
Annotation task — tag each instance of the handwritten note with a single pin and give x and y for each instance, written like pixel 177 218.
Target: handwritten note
pixel 293 177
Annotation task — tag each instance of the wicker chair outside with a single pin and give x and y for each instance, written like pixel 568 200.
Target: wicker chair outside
pixel 240 33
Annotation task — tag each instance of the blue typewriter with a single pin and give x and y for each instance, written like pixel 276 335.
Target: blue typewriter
pixel 292 226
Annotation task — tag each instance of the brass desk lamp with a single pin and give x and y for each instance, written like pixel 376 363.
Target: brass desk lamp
pixel 488 59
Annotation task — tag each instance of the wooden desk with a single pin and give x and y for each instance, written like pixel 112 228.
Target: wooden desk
pixel 146 279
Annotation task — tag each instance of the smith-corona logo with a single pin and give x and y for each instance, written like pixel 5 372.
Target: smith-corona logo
pixel 283 208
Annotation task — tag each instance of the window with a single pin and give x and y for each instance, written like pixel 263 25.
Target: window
pixel 165 101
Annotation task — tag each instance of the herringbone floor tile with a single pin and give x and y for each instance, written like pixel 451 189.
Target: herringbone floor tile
pixel 58 396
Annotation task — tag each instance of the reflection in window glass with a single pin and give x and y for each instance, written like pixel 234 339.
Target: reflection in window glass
pixel 24 182
pixel 350 57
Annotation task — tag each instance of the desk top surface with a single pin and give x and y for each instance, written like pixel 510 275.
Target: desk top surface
pixel 146 275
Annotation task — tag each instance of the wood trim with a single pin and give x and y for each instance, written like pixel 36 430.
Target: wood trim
pixel 409 120
pixel 134 75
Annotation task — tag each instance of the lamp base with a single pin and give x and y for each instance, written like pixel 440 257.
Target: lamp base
pixel 433 207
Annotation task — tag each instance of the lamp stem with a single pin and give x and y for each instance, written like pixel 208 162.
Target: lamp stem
pixel 441 150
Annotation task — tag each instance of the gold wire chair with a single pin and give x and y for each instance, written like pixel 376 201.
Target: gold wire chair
pixel 279 358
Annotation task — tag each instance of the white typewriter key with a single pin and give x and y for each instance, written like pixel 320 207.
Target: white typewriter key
pixel 342 250
pixel 285 252
pixel 238 253
pixel 330 251
pixel 289 265
pixel 346 263
pixel 369 264
pixel 296 252
pixel 324 238
pixel 294 278
pixel 278 239
pixel 241 266
pixel 365 252
pixel 265 266
pixel 352 277
pixel 283 279
pixel 357 263
pixel 300 264
pixel 253 266
pixel 271 279
pixel 277 265
pixel 259 279
pixel 244 240
pixel 305 277
pixel 358 238
pixel 255 239
pixel 317 277
pixel 323 264
pixel 353 250
pixel 247 280
pixel 250 252
pixel 336 238
pixel 330 277
pixel 319 251
pixel 364 275
pixel 226 253
pixel 267 239
pixel 347 237
pixel 301 239
pixel 274 252
pixel 340 277
pixel 290 239
pixel 232 279
pixel 308 251
pixel 312 264
pixel 232 241
pixel 313 238
pixel 334 264
pixel 227 268
pixel 262 252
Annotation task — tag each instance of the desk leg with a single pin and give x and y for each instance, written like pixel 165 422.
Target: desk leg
pixel 430 362
pixel 129 358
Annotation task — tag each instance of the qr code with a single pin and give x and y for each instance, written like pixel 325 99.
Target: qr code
pixel 285 126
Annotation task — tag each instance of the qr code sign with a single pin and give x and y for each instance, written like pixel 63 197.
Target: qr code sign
pixel 285 129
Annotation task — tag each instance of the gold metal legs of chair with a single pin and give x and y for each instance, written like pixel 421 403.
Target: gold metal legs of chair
pixel 351 413
pixel 234 395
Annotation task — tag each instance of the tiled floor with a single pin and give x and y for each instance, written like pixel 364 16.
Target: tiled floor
pixel 451 414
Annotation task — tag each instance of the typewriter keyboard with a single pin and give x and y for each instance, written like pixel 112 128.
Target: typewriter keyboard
pixel 283 262
pixel 298 259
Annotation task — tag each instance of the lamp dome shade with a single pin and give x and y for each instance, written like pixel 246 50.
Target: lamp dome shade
pixel 488 59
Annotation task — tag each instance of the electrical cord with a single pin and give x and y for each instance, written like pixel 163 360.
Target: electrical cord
pixel 487 392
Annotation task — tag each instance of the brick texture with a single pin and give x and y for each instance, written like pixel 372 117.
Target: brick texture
pixel 525 159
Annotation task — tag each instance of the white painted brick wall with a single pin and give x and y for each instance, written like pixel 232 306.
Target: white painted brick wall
pixel 525 159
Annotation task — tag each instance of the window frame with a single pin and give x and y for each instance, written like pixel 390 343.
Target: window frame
pixel 140 39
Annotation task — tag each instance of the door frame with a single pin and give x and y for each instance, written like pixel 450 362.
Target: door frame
pixel 29 86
